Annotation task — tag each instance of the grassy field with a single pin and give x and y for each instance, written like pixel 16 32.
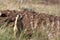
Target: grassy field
pixel 6 33
pixel 6 30
pixel 50 9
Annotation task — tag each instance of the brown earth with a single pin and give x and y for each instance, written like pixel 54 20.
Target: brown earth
pixel 29 16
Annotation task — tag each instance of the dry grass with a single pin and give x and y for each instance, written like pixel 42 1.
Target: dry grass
pixel 7 33
pixel 51 9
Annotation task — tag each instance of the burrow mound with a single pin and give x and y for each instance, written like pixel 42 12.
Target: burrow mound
pixel 29 17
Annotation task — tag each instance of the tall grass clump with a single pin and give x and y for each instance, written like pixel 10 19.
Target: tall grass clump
pixel 6 33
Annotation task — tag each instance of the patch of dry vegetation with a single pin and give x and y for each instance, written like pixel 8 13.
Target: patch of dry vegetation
pixel 7 33
pixel 15 5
